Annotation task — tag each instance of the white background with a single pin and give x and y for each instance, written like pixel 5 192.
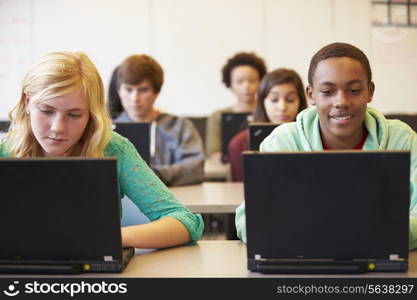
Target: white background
pixel 192 39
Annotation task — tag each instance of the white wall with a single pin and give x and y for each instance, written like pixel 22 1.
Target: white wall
pixel 16 49
pixel 192 39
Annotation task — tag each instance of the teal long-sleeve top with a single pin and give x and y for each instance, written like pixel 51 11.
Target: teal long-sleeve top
pixel 138 182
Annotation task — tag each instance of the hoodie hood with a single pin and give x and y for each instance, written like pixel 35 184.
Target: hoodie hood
pixel 309 130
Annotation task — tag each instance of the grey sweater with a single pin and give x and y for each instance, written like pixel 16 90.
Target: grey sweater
pixel 178 156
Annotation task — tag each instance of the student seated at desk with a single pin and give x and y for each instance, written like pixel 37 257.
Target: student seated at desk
pixel 340 87
pixel 281 97
pixel 61 112
pixel 177 154
pixel 242 74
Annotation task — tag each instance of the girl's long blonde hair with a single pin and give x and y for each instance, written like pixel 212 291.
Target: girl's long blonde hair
pixel 58 74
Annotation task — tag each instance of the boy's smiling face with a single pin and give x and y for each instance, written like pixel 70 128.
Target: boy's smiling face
pixel 341 92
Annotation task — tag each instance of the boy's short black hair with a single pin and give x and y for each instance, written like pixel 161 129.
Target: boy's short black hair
pixel 339 50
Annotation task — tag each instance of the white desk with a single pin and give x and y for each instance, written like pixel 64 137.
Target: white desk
pixel 214 169
pixel 210 197
pixel 218 259
pixel 211 259
pixel 205 198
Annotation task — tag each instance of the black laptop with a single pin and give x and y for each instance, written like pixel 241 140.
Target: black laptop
pixel 4 125
pixel 138 133
pixel 60 216
pixel 410 119
pixel 232 124
pixel 327 212
pixel 258 132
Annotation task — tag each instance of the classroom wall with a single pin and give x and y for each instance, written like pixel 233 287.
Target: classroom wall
pixel 192 39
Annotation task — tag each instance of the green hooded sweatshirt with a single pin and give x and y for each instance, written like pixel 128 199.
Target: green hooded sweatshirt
pixel 304 135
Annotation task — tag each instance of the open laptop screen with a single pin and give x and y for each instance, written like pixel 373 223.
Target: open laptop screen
pixel 59 209
pixel 138 133
pixel 4 126
pixel 232 124
pixel 327 205
pixel 258 132
pixel 411 119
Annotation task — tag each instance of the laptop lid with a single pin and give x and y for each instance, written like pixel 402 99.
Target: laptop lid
pixel 411 119
pixel 231 124
pixel 4 125
pixel 138 133
pixel 61 211
pixel 258 132
pixel 331 205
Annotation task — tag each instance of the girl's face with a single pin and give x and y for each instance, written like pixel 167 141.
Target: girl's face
pixel 244 82
pixel 341 93
pixel 282 103
pixel 59 123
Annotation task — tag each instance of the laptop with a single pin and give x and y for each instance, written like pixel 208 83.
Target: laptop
pixel 258 132
pixel 138 133
pixel 60 216
pixel 411 119
pixel 327 212
pixel 4 125
pixel 200 123
pixel 232 124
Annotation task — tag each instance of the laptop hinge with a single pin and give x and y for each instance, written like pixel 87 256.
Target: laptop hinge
pixel 395 257
pixel 306 268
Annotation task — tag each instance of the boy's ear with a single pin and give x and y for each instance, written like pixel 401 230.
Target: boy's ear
pixel 371 91
pixel 309 93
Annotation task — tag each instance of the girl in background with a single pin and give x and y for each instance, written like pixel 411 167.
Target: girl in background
pixel 281 97
pixel 242 74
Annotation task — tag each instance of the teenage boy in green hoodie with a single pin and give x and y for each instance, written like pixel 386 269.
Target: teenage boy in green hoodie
pixel 340 87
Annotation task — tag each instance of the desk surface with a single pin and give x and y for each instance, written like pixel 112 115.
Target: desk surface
pixel 210 197
pixel 210 259
pixel 214 169
pixel 217 259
